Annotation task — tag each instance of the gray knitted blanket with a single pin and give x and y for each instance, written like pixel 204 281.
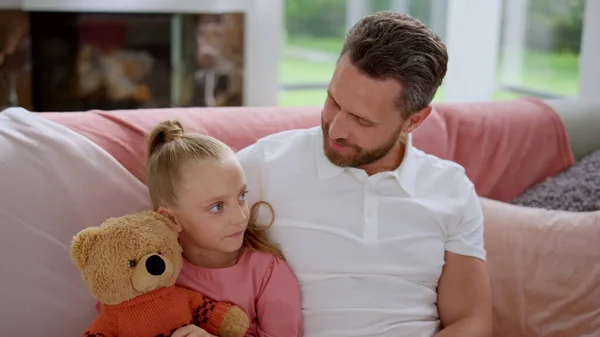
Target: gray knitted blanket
pixel 576 189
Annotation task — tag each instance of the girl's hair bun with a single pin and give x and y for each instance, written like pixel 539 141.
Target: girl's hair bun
pixel 163 133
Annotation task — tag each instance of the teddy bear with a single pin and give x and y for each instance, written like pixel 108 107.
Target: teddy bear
pixel 130 264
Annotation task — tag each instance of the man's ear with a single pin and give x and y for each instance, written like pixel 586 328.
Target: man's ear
pixel 415 120
pixel 168 213
pixel 82 244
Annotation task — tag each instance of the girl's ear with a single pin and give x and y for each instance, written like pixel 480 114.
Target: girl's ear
pixel 168 213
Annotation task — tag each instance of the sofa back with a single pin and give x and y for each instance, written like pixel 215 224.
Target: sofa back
pixel 505 147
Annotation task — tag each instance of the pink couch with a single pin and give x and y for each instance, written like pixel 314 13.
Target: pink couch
pixel 65 171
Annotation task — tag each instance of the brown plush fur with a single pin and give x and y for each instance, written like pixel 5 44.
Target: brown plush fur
pixel 113 259
pixel 118 241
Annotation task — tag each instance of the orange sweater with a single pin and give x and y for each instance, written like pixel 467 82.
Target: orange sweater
pixel 159 314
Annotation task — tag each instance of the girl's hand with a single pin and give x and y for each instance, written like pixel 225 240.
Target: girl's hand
pixel 191 331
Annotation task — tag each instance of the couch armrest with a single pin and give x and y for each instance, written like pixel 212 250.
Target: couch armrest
pixel 582 121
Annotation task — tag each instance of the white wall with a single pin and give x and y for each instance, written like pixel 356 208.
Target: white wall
pixel 472 39
pixel 264 32
pixel 514 41
pixel 589 60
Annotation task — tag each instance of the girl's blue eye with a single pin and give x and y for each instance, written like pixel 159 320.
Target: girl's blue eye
pixel 217 208
pixel 244 195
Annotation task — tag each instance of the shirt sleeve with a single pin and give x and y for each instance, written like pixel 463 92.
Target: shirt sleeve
pixel 466 236
pixel 278 306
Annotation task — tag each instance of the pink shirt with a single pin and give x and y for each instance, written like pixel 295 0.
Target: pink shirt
pixel 263 285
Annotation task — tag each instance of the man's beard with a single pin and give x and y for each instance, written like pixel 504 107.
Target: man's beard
pixel 360 157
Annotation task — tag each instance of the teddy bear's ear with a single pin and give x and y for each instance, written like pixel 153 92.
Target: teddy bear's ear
pixel 82 245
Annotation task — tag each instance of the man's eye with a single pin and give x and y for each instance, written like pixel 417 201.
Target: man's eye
pixel 330 100
pixel 364 122
pixel 217 208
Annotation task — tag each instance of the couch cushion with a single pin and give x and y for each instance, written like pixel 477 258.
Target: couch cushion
pixel 54 183
pixel 544 270
pixel 577 189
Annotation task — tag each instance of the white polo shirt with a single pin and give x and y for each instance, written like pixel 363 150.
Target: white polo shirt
pixel 368 251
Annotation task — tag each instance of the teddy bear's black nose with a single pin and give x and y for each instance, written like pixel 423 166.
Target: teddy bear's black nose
pixel 155 265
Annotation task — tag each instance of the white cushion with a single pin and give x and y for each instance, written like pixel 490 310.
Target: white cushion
pixel 54 182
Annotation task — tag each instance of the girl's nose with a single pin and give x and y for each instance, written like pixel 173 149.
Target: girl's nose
pixel 240 217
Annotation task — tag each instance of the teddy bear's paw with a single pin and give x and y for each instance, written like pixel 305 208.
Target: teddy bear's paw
pixel 221 318
pixel 235 323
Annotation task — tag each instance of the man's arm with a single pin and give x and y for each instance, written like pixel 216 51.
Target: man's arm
pixel 464 291
pixel 464 298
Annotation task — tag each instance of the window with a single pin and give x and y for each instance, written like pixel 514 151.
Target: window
pixel 314 33
pixel 540 47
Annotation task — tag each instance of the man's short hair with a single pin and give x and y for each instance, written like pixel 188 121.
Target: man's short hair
pixel 390 45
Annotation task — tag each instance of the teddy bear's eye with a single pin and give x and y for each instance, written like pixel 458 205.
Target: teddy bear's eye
pixel 132 263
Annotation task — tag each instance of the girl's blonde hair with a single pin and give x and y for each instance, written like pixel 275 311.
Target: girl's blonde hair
pixel 168 149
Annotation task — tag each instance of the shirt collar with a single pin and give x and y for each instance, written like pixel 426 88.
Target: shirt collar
pixel 405 174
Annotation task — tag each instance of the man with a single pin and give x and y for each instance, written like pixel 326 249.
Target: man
pixel 385 239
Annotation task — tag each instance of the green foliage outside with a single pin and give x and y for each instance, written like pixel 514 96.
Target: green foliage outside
pixel 318 26
pixel 560 19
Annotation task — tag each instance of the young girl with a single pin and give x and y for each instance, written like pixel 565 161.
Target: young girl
pixel 197 182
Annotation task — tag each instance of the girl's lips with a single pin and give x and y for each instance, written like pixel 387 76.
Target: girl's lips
pixel 235 235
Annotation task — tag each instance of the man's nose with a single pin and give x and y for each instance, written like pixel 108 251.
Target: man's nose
pixel 338 128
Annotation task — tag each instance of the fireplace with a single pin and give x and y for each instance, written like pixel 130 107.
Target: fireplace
pixel 77 61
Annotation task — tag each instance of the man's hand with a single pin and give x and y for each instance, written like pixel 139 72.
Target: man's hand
pixel 464 298
pixel 191 331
